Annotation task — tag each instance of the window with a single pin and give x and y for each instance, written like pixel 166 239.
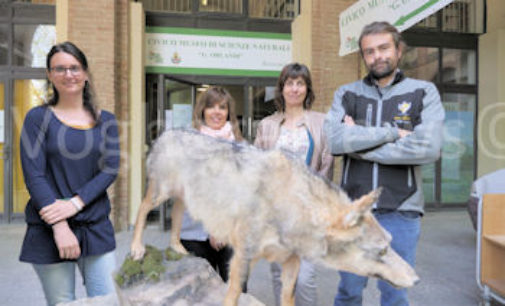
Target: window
pixel 286 9
pixel 458 164
pixel 223 6
pixel 32 43
pixel 272 9
pixel 459 66
pixel 460 16
pixel 3 44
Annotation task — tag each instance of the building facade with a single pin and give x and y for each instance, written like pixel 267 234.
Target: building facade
pixel 460 48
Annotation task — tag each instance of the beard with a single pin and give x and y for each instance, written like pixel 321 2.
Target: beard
pixel 385 71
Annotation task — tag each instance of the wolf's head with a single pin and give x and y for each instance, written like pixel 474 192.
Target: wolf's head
pixel 357 243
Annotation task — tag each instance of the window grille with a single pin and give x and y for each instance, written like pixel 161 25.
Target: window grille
pixel 178 6
pixel 281 9
pixel 461 16
pixel 275 9
pixel 456 17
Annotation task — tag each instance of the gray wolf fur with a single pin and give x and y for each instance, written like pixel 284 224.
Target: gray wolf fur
pixel 265 205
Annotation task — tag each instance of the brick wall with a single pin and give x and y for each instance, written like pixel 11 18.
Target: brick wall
pixel 91 25
pixel 122 110
pixel 329 71
pixel 99 28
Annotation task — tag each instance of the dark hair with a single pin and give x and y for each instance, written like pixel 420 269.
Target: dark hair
pixel 380 27
pixel 293 71
pixel 211 97
pixel 88 94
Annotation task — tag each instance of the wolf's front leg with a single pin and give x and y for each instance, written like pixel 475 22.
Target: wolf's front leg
pixel 137 249
pixel 175 232
pixel 290 270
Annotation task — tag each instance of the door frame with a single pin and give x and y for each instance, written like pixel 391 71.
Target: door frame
pixel 18 13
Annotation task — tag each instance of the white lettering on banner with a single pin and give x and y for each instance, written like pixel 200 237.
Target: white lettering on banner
pixel 195 51
pixel 401 13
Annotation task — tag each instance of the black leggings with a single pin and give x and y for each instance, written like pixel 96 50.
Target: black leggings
pixel 219 260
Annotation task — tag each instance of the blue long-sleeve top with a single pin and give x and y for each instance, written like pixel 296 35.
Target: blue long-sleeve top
pixel 59 162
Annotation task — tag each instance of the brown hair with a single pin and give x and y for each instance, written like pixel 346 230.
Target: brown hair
pixel 88 93
pixel 381 27
pixel 293 71
pixel 209 98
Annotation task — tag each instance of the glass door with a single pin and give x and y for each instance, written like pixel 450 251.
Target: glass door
pixel 17 97
pixel 27 33
pixel 458 158
pixel 177 105
pixel 263 105
pixel 448 181
pixel 169 105
pixel 3 207
pixel 27 94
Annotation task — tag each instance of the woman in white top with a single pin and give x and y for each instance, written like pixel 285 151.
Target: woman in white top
pixel 295 128
pixel 214 115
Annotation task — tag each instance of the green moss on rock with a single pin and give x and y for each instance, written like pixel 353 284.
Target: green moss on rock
pixel 148 268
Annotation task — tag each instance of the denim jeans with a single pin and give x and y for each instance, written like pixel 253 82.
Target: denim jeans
pixel 58 280
pixel 405 232
pixel 305 290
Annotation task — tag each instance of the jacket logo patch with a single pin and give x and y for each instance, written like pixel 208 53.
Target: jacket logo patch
pixel 404 107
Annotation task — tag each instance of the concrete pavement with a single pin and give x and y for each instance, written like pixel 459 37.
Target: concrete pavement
pixel 445 264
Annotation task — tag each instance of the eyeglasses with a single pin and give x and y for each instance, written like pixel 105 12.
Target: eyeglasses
pixel 60 70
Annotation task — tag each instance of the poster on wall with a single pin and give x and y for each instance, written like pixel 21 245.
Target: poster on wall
pixel 181 115
pixel 168 119
pixel 216 52
pixel 401 13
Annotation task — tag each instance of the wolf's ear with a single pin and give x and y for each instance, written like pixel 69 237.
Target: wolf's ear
pixel 359 207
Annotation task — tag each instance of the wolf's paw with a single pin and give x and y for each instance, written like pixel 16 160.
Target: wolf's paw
pixel 137 251
pixel 179 248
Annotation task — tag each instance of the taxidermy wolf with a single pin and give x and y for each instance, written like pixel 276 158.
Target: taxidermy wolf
pixel 265 204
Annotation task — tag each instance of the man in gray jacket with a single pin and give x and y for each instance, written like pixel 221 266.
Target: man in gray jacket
pixel 385 126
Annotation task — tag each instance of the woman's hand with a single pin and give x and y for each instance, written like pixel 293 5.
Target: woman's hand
pixel 215 244
pixel 67 243
pixel 58 211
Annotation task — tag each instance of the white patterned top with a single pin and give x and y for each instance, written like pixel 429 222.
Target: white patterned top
pixel 295 141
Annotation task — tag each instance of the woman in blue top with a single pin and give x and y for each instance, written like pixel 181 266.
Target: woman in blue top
pixel 69 155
